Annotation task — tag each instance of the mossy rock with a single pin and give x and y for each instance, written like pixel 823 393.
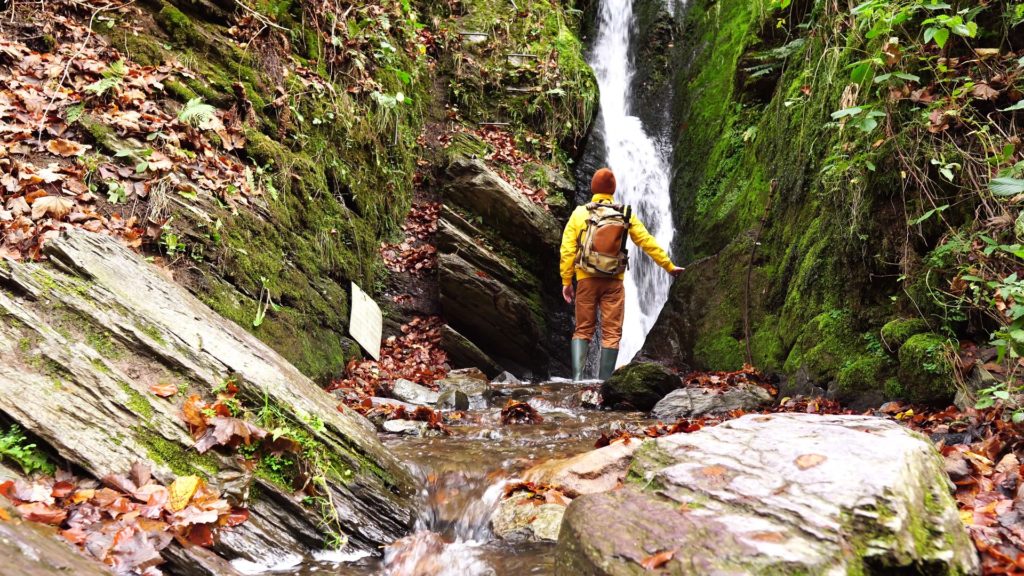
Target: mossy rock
pixel 925 373
pixel 896 332
pixel 861 382
pixel 639 385
pixel 719 351
pixel 825 345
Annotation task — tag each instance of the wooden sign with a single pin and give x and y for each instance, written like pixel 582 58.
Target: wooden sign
pixel 365 322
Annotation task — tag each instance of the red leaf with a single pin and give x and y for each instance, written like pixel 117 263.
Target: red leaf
pixel 658 560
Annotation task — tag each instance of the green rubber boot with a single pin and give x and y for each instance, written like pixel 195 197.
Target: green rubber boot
pixel 579 358
pixel 607 363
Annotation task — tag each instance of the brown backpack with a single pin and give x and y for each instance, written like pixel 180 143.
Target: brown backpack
pixel 601 247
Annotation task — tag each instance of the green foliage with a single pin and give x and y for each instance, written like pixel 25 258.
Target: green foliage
pixel 111 79
pixel 15 447
pixel 195 112
pixel 925 370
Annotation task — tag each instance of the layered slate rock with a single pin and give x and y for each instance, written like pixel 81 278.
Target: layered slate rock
pixel 587 473
pixel 85 336
pixel 695 401
pixel 776 494
pixel 498 276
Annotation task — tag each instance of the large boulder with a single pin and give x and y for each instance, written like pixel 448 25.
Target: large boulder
pixel 463 354
pixel 776 494
pixel 85 336
pixel 476 188
pixel 696 401
pixel 638 386
pixel 494 316
pixel 588 473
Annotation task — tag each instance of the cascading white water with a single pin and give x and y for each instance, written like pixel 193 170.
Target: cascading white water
pixel 641 167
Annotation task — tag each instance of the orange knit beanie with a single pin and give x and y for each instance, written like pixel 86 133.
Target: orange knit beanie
pixel 603 182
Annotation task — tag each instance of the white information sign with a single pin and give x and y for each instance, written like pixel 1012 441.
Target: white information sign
pixel 366 322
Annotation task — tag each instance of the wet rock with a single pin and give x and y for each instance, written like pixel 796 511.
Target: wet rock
pixel 33 549
pixel 768 494
pixel 462 353
pixel 413 393
pixel 407 427
pixel 452 399
pixel 588 473
pixel 638 386
pixel 520 519
pixel 694 402
pixel 507 379
pixel 104 325
pixel 464 390
pixel 378 401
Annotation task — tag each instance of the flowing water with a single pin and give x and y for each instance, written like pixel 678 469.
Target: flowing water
pixel 462 478
pixel 641 166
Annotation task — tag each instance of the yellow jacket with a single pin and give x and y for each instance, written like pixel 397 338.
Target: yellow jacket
pixel 578 223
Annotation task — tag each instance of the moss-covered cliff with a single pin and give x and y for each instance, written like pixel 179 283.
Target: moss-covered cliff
pixel 848 114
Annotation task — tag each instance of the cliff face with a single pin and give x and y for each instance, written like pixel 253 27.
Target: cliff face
pixel 827 128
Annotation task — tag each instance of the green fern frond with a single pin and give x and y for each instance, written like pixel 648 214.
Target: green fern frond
pixel 195 112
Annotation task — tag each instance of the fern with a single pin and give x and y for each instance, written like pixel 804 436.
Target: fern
pixel 111 79
pixel 195 113
pixel 14 446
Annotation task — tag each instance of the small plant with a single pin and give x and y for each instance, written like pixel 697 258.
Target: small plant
pixel 111 79
pixel 116 193
pixel 264 304
pixel 196 113
pixel 15 447
pixel 987 398
pixel 172 243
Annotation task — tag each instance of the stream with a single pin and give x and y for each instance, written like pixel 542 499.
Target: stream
pixel 462 478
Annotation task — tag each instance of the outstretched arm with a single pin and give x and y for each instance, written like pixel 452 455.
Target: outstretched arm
pixel 642 238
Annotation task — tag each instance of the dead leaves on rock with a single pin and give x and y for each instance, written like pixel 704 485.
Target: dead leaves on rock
pixel 727 380
pixel 516 412
pixel 415 254
pixel 126 523
pixel 416 356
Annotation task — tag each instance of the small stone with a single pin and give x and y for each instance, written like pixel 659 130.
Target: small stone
pixel 956 466
pixel 453 400
pixel 413 393
pixel 506 378
pixel 407 427
pixel 517 519
pixel 694 402
pixel 589 472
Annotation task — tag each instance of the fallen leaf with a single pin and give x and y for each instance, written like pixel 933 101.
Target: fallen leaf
pixel 55 206
pixel 163 389
pixel 657 560
pixel 66 148
pixel 181 492
pixel 807 461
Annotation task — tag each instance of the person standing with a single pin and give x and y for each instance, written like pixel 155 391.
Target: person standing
pixel 594 251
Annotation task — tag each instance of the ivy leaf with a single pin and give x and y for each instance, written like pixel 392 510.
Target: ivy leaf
pixel 1006 186
pixel 941 37
pixel 1018 106
pixel 845 112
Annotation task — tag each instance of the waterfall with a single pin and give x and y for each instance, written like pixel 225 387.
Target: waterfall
pixel 641 166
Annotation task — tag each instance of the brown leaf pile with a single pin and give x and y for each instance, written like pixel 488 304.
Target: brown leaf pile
pixel 416 355
pixel 983 454
pixel 517 412
pixel 50 180
pixel 726 380
pixel 538 493
pixel 415 254
pixel 130 519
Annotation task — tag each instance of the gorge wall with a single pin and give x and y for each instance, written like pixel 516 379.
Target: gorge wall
pixel 831 128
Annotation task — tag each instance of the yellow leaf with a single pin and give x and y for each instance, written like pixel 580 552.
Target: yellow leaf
pixel 181 492
pixel 66 148
pixel 967 517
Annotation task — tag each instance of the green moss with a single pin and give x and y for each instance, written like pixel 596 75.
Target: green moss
pixel 896 332
pixel 719 351
pixel 181 460
pixel 824 345
pixel 860 375
pixel 180 91
pixel 177 24
pixel 138 403
pixel 925 371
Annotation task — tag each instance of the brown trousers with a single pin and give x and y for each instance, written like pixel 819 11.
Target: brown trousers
pixel 608 294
